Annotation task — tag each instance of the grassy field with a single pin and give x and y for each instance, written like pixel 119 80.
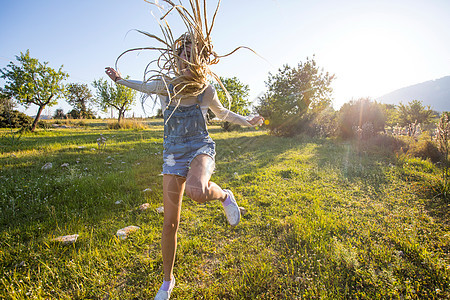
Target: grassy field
pixel 324 220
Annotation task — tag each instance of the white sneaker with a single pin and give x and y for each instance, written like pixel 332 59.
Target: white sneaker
pixel 165 295
pixel 232 211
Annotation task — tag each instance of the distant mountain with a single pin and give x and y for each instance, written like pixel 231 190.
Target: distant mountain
pixel 435 93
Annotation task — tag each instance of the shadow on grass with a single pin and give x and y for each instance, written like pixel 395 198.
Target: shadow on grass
pixel 353 165
pixel 439 208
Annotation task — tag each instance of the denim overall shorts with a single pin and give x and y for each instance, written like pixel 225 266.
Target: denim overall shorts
pixel 185 137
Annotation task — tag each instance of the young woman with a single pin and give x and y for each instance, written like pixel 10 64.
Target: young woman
pixel 188 149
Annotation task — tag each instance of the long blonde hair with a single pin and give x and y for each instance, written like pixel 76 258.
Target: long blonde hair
pixel 167 67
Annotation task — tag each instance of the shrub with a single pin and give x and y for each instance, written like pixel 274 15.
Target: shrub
pixel 361 118
pixel 324 123
pixel 15 119
pixel 127 124
pixel 59 114
pixel 384 143
pixel 44 125
pixel 425 149
pixel 76 114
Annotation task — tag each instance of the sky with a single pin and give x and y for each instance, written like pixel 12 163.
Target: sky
pixel 373 47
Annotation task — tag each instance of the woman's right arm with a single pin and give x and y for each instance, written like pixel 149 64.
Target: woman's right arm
pixel 151 87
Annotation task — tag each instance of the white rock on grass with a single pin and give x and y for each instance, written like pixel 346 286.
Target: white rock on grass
pixel 47 166
pixel 65 165
pixel 144 206
pixel 124 232
pixel 118 202
pixel 147 190
pixel 160 210
pixel 66 239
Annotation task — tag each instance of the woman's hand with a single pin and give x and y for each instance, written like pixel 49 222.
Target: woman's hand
pixel 258 120
pixel 113 74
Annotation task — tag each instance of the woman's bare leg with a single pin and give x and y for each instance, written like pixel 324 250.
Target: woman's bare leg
pixel 198 185
pixel 173 189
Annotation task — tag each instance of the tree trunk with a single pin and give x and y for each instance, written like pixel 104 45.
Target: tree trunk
pixel 121 113
pixel 36 120
pixel 82 110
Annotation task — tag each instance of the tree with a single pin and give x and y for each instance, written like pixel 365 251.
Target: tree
pixel 294 96
pixel 414 112
pixel 31 82
pixel 391 114
pixel 118 96
pixel 14 119
pixel 362 116
pixel 79 95
pixel 75 114
pixel 10 118
pixel 59 114
pixel 6 104
pixel 239 97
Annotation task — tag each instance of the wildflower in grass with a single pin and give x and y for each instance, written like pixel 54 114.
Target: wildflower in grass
pixel 101 142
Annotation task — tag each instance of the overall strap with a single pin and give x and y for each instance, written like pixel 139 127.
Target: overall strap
pixel 200 97
pixel 170 91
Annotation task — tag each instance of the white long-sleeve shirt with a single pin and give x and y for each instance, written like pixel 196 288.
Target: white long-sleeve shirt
pixel 210 100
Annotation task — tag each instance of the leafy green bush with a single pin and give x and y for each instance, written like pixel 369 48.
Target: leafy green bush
pixel 317 123
pixel 425 149
pixel 325 123
pixel 76 114
pixel 44 125
pixel 59 114
pixel 361 118
pixel 15 119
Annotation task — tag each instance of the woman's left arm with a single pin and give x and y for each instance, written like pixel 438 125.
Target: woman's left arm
pixel 227 115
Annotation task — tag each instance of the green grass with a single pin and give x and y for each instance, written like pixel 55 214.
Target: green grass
pixel 324 220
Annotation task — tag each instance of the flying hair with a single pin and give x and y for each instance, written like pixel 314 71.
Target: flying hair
pixel 167 66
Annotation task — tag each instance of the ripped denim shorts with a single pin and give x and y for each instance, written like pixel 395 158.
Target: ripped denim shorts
pixel 185 137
